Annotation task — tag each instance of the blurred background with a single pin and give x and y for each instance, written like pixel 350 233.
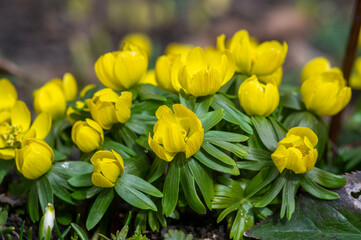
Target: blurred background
pixel 47 38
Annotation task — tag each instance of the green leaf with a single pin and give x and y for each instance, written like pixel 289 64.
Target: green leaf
pixel 60 191
pixel 231 114
pixel 262 179
pixel 326 179
pixel 150 92
pixel 257 154
pixel 316 219
pixel 59 156
pixel 187 101
pixel 33 203
pixel 288 194
pixel 6 166
pixel 99 207
pixel 81 181
pixel 280 130
pixel 122 150
pixel 202 105
pixel 136 166
pixel 45 192
pixel 141 185
pixel 225 136
pixel 157 169
pixel 133 196
pixel 216 164
pixel 292 100
pixel 203 177
pixel 86 193
pixel 243 221
pixel 210 119
pixel 253 165
pixel 171 188
pixel 231 147
pixel 273 191
pixel 81 233
pixel 177 235
pixel 141 221
pixel 266 132
pixel 215 152
pixel 316 190
pixel 72 168
pixel 189 189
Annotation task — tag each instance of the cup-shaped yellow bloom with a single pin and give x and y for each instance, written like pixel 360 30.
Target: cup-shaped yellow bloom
pixel 296 151
pixel 176 132
pixel 87 135
pixel 205 72
pixel 108 165
pixel 107 108
pixel 258 99
pixel 50 98
pixel 141 40
pixel 316 66
pixel 326 94
pixel 34 159
pixel 13 133
pixel 167 70
pixel 8 97
pixel 123 69
pixel 253 58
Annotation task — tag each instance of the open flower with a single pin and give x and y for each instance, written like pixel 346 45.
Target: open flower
pixel 52 97
pixel 123 69
pixel 108 165
pixel 296 151
pixel 87 135
pixel 176 132
pixel 34 159
pixel 205 72
pixel 253 58
pixel 257 98
pixel 326 93
pixel 8 97
pixel 141 40
pixel 107 107
pixel 13 133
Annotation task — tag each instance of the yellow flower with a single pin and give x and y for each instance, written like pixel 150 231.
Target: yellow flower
pixel 296 151
pixel 316 66
pixel 275 78
pixel 257 98
pixel 178 48
pixel 108 165
pixel 326 93
pixel 107 108
pixel 8 97
pixel 79 106
pixel 205 72
pixel 86 89
pixel 149 78
pixel 87 135
pixel 253 58
pixel 141 40
pixel 34 159
pixel 166 72
pixel 355 79
pixel 13 133
pixel 122 69
pixel 176 132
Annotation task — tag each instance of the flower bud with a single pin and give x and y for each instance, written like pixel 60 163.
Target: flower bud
pixel 326 93
pixel 122 69
pixel 140 40
pixel 47 222
pixel 296 151
pixel 176 132
pixel 258 99
pixel 317 66
pixel 108 165
pixel 205 72
pixel 107 108
pixel 34 158
pixel 87 135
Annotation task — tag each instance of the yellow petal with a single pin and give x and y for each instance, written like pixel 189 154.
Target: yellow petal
pixel 139 39
pixel 304 132
pixel 160 151
pixel 240 48
pixel 41 125
pixel 163 73
pixel 70 87
pixel 269 57
pixel 119 161
pixel 196 60
pixel 8 94
pixel 295 161
pixel 122 107
pixel 87 139
pixel 210 78
pixel 314 67
pixel 173 140
pixel 97 127
pixel 221 42
pixel 109 169
pixel 20 116
pixel 7 153
pixel 104 69
pixel 100 155
pixel 275 78
pixel 280 157
pixel 100 181
pixel 194 143
pixel 149 78
pixel 310 159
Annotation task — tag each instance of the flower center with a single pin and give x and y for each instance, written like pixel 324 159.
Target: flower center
pixel 302 149
pixel 13 136
pixel 184 135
